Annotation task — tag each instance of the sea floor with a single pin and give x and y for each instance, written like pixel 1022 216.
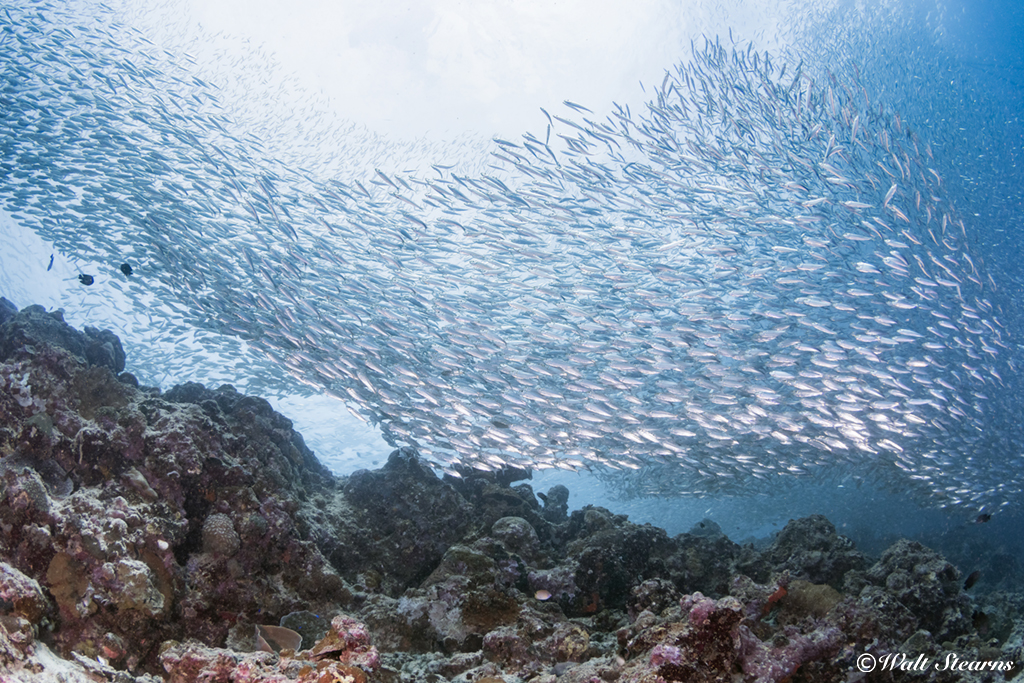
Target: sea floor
pixel 190 535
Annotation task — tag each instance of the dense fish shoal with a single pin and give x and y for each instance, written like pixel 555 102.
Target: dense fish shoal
pixel 760 276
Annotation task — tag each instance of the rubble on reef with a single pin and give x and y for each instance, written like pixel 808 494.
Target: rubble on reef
pixel 148 536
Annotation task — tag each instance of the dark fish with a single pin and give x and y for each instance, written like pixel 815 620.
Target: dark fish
pixel 126 269
pixel 982 518
pixel 86 279
pixel 51 264
pixel 972 579
pixel 980 621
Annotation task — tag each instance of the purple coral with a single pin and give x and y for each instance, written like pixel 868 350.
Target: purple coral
pixel 700 608
pixel 349 643
pixel 768 664
pixel 666 654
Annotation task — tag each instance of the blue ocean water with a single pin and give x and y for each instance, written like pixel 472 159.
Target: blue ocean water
pixel 953 74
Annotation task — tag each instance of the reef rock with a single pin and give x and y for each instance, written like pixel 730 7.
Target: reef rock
pixel 118 503
pixel 406 518
pixel 930 588
pixel 146 536
pixel 811 549
pixel 33 326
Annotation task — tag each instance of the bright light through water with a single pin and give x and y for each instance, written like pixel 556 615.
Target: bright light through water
pixel 445 68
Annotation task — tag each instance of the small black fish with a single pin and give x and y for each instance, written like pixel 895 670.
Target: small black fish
pixel 982 518
pixel 86 279
pixel 972 579
pixel 51 264
pixel 126 269
pixel 980 621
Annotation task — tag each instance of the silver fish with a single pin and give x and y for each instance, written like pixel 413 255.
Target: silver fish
pixel 719 289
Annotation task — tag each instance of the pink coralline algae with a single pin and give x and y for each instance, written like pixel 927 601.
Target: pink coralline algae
pixel 666 654
pixel 344 655
pixel 700 608
pixel 770 663
pixel 348 642
pixel 717 643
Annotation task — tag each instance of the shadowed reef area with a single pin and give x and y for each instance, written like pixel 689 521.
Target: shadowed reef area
pixel 148 535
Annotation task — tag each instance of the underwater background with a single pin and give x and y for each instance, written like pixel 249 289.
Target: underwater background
pixel 337 196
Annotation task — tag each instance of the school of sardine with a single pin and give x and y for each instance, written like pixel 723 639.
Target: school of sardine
pixel 760 276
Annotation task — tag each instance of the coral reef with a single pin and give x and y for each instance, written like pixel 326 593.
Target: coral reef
pixel 148 518
pixel 145 536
